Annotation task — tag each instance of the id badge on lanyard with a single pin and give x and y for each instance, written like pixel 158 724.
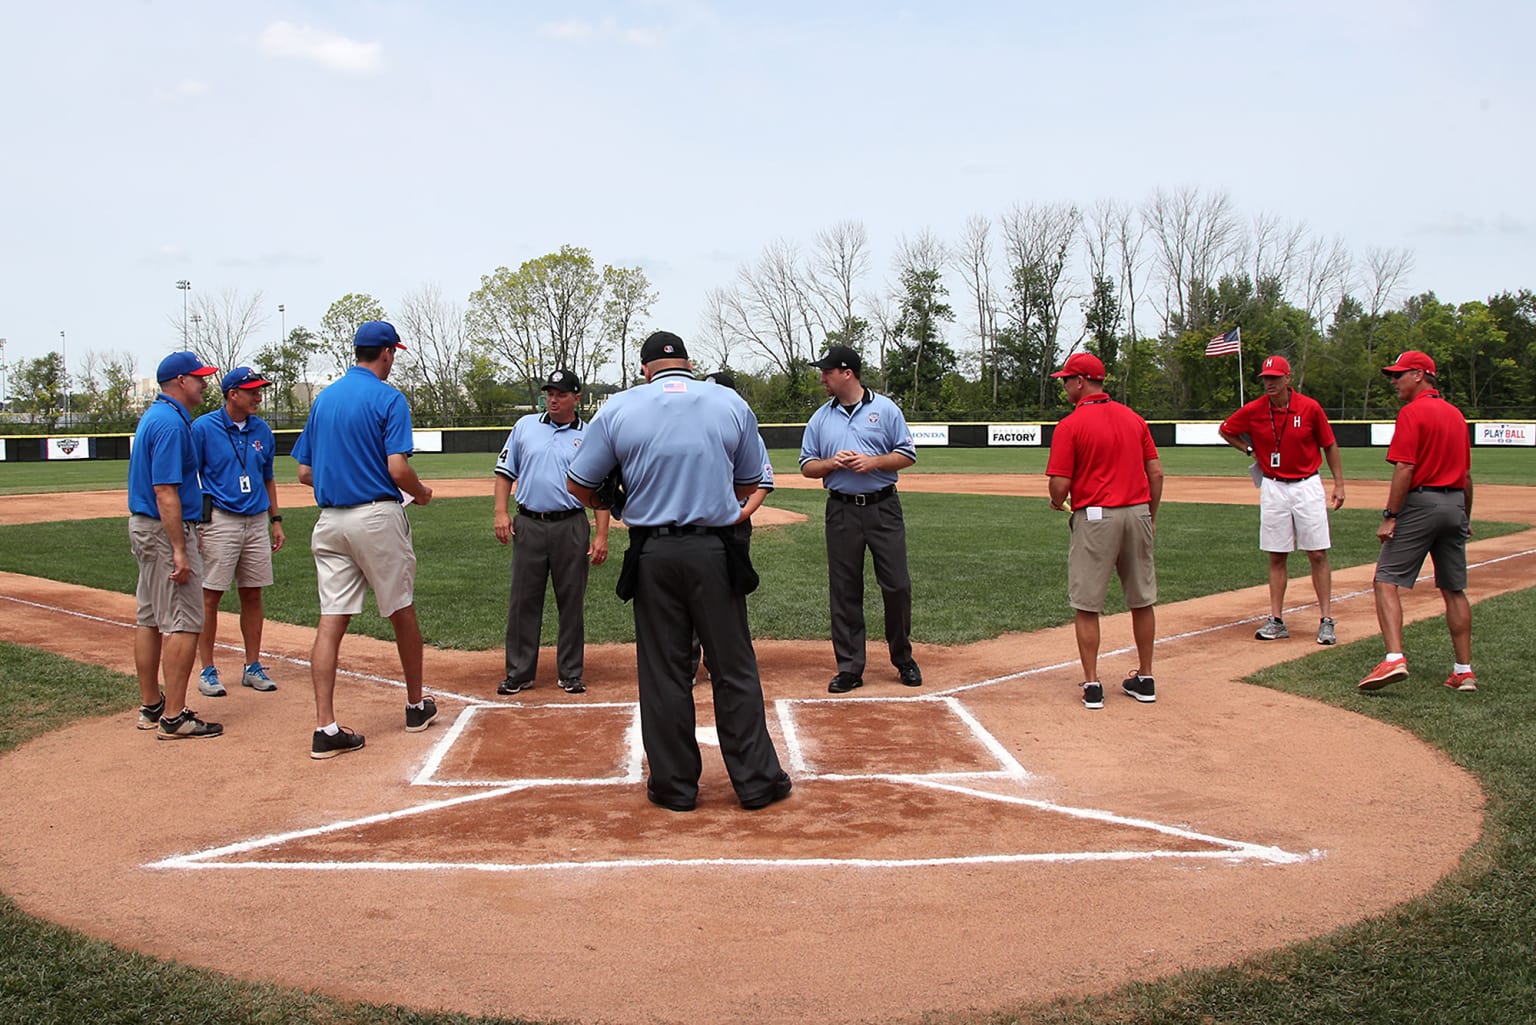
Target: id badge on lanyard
pixel 245 484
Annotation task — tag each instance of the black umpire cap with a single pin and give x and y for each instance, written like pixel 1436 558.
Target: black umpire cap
pixel 662 345
pixel 840 357
pixel 562 380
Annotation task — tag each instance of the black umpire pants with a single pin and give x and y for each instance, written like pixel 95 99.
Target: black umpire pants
pixel 850 530
pixel 544 550
pixel 683 586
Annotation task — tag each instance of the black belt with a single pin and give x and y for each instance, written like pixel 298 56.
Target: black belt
pixel 558 514
pixel 679 529
pixel 1438 489
pixel 372 501
pixel 867 498
pixel 1290 480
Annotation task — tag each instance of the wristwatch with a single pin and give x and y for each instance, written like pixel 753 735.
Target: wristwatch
pixel 1388 514
pixel 274 519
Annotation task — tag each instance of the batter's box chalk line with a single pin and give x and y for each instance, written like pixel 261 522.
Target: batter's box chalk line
pixel 963 786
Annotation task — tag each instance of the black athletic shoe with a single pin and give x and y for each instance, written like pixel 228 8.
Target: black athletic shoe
pixel 418 719
pixel 1140 687
pixel 149 715
pixel 573 686
pixel 911 676
pixel 780 791
pixel 842 683
pixel 669 805
pixel 187 726
pixel 327 746
pixel 513 686
pixel 1093 695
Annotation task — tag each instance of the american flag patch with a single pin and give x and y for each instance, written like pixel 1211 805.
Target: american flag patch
pixel 674 386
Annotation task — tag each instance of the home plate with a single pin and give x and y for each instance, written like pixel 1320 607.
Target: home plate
pixel 707 735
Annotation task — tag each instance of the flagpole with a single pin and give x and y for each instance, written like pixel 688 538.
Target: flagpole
pixel 1240 400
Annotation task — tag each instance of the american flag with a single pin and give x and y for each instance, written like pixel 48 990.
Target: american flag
pixel 1227 344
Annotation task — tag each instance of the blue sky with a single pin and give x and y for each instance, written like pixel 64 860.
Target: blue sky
pixel 309 150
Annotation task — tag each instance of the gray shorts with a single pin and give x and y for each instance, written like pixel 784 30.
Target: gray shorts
pixel 236 549
pixel 169 608
pixel 1118 542
pixel 366 546
pixel 1432 523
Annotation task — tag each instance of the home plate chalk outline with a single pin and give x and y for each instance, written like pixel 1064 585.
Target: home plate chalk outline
pixel 965 784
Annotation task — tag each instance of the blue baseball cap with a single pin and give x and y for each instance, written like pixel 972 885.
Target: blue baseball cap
pixel 243 377
pixel 377 334
pixel 178 363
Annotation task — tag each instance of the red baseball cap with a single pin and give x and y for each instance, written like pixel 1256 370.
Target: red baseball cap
pixel 1275 366
pixel 1413 359
pixel 1082 364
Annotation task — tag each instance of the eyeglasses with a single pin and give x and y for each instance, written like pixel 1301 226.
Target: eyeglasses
pixel 1395 374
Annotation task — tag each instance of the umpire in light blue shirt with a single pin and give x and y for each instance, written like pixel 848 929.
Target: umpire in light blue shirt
pixel 855 445
pixel 689 453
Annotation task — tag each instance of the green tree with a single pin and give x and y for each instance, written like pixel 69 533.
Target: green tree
pixel 628 300
pixel 109 388
pixel 287 365
pixel 919 358
pixel 339 326
pixel 39 387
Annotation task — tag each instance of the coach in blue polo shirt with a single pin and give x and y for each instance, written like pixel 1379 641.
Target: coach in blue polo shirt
pixel 690 454
pixel 355 452
pixel 235 453
pixel 855 444
pixel 551 537
pixel 164 501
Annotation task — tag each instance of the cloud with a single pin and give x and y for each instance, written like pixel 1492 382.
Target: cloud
pixel 579 30
pixel 1459 224
pixel 327 49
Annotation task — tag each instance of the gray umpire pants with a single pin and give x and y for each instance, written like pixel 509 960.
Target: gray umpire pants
pixel 545 550
pixel 683 586
pixel 850 530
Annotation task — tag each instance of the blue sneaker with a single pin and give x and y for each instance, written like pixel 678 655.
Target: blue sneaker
pixel 256 678
pixel 208 684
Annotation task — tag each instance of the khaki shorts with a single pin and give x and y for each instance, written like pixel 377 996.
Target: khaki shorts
pixel 363 547
pixel 1119 542
pixel 170 608
pixel 236 549
pixel 1293 516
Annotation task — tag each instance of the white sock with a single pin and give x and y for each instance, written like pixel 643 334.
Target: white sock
pixel 418 705
pixel 1394 656
pixel 1457 667
pixel 331 730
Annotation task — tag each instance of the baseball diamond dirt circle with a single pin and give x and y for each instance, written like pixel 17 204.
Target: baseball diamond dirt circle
pixel 968 848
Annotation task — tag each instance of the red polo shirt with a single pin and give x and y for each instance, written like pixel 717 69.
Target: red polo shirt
pixel 1102 448
pixel 1432 435
pixel 1299 432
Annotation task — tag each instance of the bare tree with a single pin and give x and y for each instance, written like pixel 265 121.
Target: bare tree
pixel 1278 250
pixel 838 262
pixel 1196 236
pixel 1038 239
pixel 439 348
pixel 716 338
pixel 973 259
pixel 1385 270
pixel 769 309
pixel 222 326
pixel 1326 272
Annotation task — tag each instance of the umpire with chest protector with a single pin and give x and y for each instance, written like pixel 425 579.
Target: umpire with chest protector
pixel 690 454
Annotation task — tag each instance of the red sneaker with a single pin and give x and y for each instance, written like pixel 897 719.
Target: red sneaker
pixel 1388 671
pixel 1461 681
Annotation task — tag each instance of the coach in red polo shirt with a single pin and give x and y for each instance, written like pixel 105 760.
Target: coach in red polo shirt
pixel 1429 512
pixel 1288 434
pixel 1103 459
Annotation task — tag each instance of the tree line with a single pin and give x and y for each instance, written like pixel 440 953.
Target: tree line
pixel 1143 286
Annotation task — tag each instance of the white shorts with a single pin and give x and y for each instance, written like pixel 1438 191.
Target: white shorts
pixel 236 549
pixel 1293 516
pixel 365 546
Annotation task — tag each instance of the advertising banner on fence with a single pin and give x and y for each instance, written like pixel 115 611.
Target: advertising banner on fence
pixel 1013 434
pixel 68 448
pixel 1197 434
pixel 1381 434
pixel 1504 434
pixel 930 434
pixel 427 441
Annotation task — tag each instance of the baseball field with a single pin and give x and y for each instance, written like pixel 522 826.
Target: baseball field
pixel 1263 844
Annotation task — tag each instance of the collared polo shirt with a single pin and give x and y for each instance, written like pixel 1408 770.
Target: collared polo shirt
pixel 683 445
pixel 225 453
pixel 537 454
pixel 163 454
pixel 355 425
pixel 1432 434
pixel 1102 448
pixel 875 426
pixel 1299 432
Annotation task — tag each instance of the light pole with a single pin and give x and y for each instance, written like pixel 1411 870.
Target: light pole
pixel 64 355
pixel 185 286
pixel 4 403
pixel 282 312
pixel 197 326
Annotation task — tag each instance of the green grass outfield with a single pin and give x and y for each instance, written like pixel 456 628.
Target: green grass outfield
pixel 1489 466
pixel 1460 955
